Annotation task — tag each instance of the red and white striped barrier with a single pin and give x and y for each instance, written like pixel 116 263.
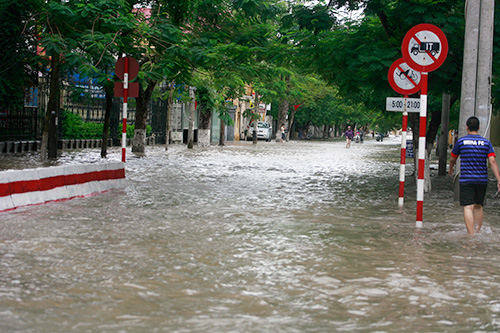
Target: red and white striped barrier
pixel 35 186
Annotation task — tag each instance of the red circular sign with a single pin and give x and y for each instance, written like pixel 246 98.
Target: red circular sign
pixel 404 79
pixel 133 68
pixel 425 47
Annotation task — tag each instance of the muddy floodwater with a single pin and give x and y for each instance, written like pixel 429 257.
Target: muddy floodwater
pixel 296 237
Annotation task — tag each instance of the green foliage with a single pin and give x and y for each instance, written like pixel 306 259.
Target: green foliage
pixel 287 51
pixel 250 115
pixel 73 127
pixel 316 19
pixel 18 45
pixel 225 116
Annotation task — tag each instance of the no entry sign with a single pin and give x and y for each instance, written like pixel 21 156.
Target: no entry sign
pixel 425 47
pixel 404 79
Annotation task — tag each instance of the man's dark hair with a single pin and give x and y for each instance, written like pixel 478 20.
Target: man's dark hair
pixel 473 124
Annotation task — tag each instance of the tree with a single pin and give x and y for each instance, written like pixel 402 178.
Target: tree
pixel 69 35
pixel 103 42
pixel 356 56
pixel 18 57
pixel 229 50
pixel 158 45
pixel 58 39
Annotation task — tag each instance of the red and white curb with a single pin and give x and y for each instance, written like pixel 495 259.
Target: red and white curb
pixel 36 186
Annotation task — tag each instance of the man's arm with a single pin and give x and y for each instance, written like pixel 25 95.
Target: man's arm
pixel 494 168
pixel 453 161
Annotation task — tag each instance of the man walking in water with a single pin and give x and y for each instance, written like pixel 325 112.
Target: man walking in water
pixel 474 151
pixel 349 134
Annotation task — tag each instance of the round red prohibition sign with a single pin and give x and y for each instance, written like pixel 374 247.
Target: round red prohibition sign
pixel 404 79
pixel 425 47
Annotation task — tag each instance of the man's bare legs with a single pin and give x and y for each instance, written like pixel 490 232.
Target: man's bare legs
pixel 473 216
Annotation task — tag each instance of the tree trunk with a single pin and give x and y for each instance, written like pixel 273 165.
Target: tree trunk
pixel 107 120
pixel 192 110
pixel 205 120
pixel 430 137
pixel 170 103
pixel 326 131
pixel 291 119
pixel 49 134
pixel 282 113
pixel 255 121
pixel 427 171
pixel 141 117
pixel 222 138
pixel 443 136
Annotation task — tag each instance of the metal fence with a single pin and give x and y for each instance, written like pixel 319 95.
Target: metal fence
pixel 19 124
pixel 26 122
pixel 24 119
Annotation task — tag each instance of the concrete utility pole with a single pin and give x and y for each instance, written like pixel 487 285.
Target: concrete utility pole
pixel 476 74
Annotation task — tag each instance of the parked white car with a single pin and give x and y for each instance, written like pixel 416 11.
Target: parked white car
pixel 264 131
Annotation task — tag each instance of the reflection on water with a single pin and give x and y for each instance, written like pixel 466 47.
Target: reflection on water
pixel 295 237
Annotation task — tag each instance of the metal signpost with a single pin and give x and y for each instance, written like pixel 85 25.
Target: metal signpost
pixel 424 48
pixel 406 81
pixel 126 69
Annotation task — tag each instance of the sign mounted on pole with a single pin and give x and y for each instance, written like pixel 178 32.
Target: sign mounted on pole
pixel 126 69
pixel 425 47
pixel 127 76
pixel 404 79
pixel 399 104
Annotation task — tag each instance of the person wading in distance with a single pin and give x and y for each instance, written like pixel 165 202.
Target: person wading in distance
pixel 349 134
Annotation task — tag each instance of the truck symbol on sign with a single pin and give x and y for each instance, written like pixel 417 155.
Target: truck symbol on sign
pixel 424 47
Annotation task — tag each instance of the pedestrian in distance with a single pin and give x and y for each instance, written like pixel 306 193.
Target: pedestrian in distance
pixel 475 152
pixel 282 132
pixel 349 134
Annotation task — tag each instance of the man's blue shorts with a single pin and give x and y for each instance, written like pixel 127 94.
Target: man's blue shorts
pixel 471 194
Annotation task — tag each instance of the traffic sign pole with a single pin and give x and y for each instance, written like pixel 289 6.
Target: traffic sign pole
pixel 421 152
pixel 126 69
pixel 402 164
pixel 406 81
pixel 125 106
pixel 424 48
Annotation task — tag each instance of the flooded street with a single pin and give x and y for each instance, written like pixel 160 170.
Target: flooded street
pixel 294 237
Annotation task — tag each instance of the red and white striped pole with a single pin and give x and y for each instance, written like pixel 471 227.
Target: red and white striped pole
pixel 125 105
pixel 421 151
pixel 402 163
